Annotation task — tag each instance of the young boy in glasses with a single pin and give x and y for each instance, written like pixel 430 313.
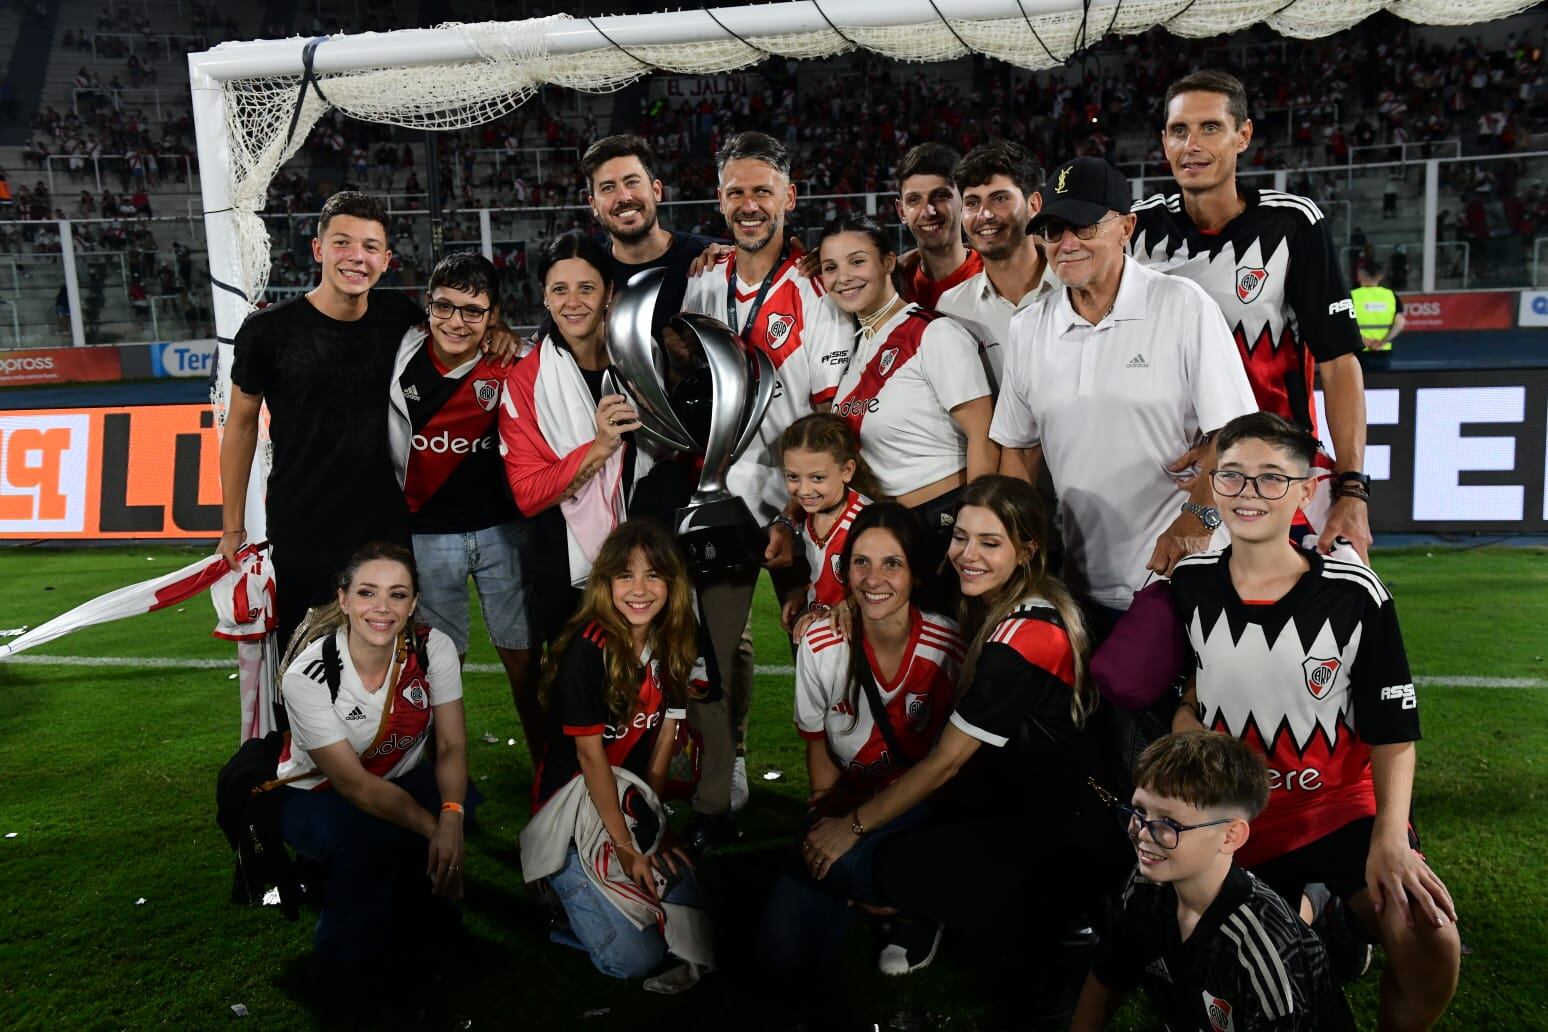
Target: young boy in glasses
pixel 1300 657
pixel 444 402
pixel 1214 947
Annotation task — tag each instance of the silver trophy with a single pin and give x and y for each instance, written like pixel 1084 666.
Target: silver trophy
pixel 705 393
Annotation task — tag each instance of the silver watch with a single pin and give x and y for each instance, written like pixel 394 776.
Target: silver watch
pixel 1207 514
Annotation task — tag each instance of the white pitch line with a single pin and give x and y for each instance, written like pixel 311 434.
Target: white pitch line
pixel 167 663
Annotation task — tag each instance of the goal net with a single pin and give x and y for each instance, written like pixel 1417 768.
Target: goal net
pixel 255 102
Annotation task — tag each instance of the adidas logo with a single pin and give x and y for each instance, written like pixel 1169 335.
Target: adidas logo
pixel 411 392
pixel 355 714
pixel 1138 362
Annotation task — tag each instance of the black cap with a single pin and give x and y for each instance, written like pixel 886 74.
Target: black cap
pixel 1081 193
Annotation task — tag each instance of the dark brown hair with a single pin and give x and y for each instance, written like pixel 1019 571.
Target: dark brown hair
pixel 356 204
pixel 1208 80
pixel 901 523
pixel 1271 429
pixel 1001 158
pixel 623 145
pixel 928 159
pixel 1205 769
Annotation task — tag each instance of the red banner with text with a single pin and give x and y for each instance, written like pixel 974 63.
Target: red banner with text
pixel 1429 313
pixel 145 471
pixel 59 365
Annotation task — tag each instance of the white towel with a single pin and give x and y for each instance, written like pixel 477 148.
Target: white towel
pixel 569 816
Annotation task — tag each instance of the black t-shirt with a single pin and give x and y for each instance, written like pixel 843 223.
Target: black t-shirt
pixel 325 383
pixel 455 423
pixel 577 707
pixel 1250 964
pixel 685 248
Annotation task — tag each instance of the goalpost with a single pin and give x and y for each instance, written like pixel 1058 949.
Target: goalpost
pixel 255 102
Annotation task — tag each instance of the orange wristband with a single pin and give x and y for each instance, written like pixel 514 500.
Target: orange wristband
pixel 453 807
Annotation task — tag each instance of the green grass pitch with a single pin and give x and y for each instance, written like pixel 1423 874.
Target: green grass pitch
pixel 107 780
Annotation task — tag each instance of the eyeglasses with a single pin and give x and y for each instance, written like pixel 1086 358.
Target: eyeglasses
pixel 1164 832
pixel 1230 483
pixel 471 314
pixel 1053 230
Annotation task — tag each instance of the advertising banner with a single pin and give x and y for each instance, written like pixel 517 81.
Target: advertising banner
pixel 1534 309
pixel 1447 451
pixel 148 471
pixel 1430 313
pixel 58 365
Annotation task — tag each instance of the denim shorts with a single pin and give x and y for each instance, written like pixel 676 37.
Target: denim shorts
pixel 494 558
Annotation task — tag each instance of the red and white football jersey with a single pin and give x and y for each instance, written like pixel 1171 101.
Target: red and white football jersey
pixel 805 336
pixel 898 392
pixel 917 700
pixel 822 555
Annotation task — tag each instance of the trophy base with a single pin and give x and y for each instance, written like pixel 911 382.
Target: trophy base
pixel 720 537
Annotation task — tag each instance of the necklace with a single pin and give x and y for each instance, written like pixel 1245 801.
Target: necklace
pixel 871 323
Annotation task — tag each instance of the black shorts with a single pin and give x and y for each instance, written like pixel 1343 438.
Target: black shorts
pixel 1337 860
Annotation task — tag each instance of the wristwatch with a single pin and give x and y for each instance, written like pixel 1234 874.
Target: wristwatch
pixel 1354 477
pixel 1207 514
pixel 783 521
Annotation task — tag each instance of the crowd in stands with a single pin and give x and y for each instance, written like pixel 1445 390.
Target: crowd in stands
pixel 1363 95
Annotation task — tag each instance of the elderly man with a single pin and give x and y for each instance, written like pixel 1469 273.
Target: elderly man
pixel 1110 380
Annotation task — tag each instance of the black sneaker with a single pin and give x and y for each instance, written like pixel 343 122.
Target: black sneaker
pixel 911 946
pixel 705 832
pixel 1349 955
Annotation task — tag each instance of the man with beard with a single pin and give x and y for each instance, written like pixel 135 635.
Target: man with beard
pixel 999 183
pixel 931 207
pixel 623 194
pixel 759 292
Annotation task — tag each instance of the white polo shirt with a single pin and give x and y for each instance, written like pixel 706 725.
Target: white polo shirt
pixel 901 387
pixel 1112 406
pixel 987 316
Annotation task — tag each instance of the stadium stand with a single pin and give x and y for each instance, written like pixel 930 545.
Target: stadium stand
pixel 1346 122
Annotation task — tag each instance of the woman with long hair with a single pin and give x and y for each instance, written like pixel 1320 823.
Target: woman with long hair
pixel 868 708
pixel 365 689
pixel 615 684
pixel 570 453
pixel 914 390
pixel 1033 839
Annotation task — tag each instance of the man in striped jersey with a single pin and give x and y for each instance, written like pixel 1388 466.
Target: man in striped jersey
pixel 1215 948
pixel 1268 261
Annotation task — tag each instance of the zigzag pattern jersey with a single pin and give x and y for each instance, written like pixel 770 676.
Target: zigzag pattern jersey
pixel 578 708
pixel 822 556
pixel 1312 681
pixel 917 700
pixel 1250 962
pixel 1275 274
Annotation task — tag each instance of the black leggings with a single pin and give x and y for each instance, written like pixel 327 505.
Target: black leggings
pixel 941 590
pixel 975 874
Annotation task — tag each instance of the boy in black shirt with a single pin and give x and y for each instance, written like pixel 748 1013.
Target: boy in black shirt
pixel 1217 949
pixel 321 361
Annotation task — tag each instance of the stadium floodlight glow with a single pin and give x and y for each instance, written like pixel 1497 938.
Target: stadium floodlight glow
pixel 254 103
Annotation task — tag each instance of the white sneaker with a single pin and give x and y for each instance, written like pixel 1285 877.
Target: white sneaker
pixel 739 784
pixel 912 947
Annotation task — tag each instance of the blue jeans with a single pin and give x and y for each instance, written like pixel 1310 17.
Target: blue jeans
pixel 494 558
pixel 806 920
pixel 377 896
pixel 600 930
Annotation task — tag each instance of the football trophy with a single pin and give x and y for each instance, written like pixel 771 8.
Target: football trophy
pixel 702 392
